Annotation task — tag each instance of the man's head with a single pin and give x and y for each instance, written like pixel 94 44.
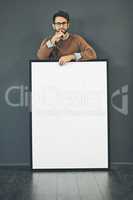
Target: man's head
pixel 61 21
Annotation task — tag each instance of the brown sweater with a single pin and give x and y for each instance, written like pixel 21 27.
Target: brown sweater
pixel 73 44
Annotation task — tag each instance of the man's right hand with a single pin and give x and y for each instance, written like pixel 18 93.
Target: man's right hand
pixel 57 37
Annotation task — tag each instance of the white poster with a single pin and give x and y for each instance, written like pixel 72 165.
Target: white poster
pixel 69 115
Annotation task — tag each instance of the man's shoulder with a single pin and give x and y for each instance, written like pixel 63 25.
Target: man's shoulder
pixel 45 39
pixel 76 36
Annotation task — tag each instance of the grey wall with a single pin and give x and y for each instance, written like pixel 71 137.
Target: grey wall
pixel 107 25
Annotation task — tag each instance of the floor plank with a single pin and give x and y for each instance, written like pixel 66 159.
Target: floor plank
pixel 117 184
pixel 88 187
pixel 111 185
pixel 67 186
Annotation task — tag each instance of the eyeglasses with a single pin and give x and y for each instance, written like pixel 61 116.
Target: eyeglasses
pixel 59 24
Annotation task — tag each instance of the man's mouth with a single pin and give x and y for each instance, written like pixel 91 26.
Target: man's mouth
pixel 62 30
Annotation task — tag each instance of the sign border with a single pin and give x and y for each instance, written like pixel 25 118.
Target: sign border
pixel 30 121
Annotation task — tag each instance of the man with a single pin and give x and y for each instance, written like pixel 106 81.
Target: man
pixel 64 46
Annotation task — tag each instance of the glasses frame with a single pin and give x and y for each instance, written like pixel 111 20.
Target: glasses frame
pixel 59 23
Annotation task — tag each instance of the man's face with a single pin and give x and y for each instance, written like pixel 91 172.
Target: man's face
pixel 61 24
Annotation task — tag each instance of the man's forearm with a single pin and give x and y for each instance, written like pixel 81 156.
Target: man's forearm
pixel 86 50
pixel 88 54
pixel 45 50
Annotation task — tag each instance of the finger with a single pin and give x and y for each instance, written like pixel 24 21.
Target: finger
pixel 63 61
pixel 61 34
pixel 60 61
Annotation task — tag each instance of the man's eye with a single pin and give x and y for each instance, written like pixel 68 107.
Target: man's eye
pixel 59 24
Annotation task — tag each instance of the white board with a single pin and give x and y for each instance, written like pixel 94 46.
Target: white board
pixel 69 115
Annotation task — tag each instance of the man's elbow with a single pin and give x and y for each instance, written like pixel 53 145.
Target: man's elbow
pixel 89 54
pixel 39 55
pixel 93 55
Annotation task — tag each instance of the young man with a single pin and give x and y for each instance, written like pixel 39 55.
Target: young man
pixel 64 46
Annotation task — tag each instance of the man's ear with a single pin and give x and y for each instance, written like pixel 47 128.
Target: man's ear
pixel 69 23
pixel 53 26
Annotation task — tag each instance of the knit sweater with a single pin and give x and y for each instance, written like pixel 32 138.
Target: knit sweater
pixel 74 44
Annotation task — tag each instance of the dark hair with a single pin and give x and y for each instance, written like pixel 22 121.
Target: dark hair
pixel 61 13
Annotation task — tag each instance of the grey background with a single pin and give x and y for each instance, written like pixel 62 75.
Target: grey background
pixel 107 25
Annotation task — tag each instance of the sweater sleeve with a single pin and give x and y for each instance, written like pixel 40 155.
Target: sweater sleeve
pixel 86 50
pixel 44 51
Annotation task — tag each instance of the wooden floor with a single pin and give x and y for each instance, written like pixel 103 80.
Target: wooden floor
pixel 22 184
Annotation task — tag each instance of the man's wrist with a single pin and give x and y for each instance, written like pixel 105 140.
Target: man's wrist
pixel 77 56
pixel 73 57
pixel 49 44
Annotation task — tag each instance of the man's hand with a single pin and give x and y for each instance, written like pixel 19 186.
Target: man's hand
pixel 57 37
pixel 65 59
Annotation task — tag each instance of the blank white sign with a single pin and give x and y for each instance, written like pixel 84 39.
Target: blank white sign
pixel 69 115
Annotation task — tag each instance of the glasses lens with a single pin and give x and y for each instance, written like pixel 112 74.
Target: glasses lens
pixel 59 24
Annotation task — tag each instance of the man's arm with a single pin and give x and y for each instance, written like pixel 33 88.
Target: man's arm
pixel 45 49
pixel 86 50
pixel 47 45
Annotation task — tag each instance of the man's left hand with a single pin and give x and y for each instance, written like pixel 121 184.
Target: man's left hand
pixel 65 59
